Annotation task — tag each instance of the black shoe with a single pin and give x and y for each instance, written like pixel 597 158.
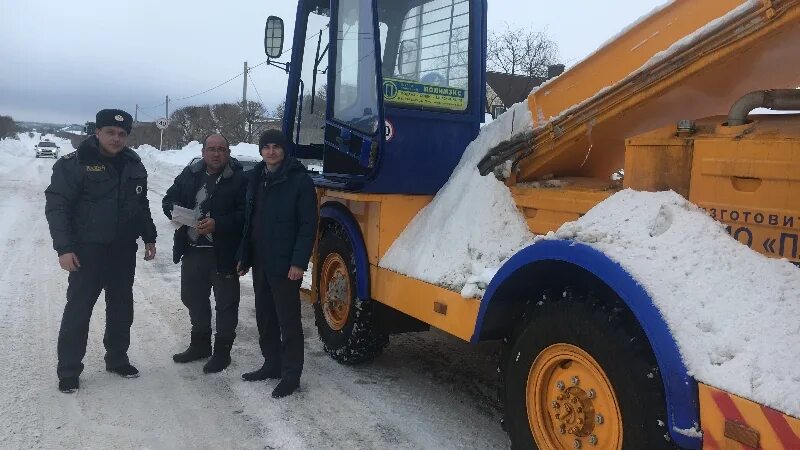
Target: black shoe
pixel 265 372
pixel 193 353
pixel 217 363
pixel 284 388
pixel 220 359
pixel 68 385
pixel 125 371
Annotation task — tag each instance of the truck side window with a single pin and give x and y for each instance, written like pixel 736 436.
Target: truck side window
pixel 312 121
pixel 355 100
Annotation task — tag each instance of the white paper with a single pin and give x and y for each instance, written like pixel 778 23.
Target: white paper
pixel 184 216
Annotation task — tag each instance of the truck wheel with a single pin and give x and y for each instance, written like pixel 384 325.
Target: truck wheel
pixel 580 373
pixel 344 322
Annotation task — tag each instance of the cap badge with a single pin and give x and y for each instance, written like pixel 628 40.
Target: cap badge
pixel 119 118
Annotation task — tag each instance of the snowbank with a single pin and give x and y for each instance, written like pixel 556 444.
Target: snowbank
pixel 734 313
pixel 23 146
pixel 476 213
pixel 152 156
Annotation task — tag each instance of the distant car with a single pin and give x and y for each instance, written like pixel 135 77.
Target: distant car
pixel 46 148
pixel 247 162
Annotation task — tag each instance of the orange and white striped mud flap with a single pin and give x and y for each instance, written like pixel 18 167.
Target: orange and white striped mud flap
pixel 733 423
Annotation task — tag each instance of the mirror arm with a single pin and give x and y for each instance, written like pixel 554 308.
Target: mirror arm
pixel 279 65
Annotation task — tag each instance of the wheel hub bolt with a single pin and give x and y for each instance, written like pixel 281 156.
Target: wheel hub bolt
pixel 575 381
pixel 560 385
pixel 577 443
pixel 598 419
pixel 593 440
pixel 555 404
pixel 591 393
pixel 562 429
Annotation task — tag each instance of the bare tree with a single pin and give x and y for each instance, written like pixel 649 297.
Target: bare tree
pixel 521 52
pixel 7 127
pixel 194 122
pixel 230 121
pixel 255 116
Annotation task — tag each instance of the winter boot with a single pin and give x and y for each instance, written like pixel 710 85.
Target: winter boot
pixel 266 371
pixel 221 358
pixel 285 387
pixel 125 371
pixel 68 385
pixel 199 348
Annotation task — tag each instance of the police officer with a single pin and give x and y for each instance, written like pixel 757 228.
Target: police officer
pixel 96 206
pixel 214 188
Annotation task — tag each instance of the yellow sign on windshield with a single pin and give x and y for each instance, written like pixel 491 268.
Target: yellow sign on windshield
pixel 412 93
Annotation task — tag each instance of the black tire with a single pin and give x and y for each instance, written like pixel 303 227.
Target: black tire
pixel 609 333
pixel 359 340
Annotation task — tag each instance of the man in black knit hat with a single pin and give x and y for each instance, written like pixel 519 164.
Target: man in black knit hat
pixel 279 231
pixel 97 207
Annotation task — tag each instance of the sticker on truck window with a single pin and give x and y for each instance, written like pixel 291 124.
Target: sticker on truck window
pixel 403 92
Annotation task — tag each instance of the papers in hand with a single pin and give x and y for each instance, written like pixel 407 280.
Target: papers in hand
pixel 183 216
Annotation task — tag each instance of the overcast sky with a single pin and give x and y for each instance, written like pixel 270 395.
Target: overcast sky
pixel 62 61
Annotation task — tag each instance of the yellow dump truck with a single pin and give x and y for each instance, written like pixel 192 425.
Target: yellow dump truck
pixel 590 359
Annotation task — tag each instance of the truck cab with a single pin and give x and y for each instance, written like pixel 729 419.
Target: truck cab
pixel 386 93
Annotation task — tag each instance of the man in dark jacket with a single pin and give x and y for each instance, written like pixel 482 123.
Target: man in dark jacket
pixel 96 207
pixel 280 227
pixel 213 187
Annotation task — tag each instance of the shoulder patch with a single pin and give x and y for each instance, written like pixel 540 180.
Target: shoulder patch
pixel 70 155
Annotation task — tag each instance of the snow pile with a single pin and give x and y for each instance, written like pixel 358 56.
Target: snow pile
pixel 23 145
pixel 733 312
pixel 475 213
pixel 171 159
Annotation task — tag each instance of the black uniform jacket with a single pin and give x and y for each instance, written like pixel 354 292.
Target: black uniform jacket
pixel 87 202
pixel 226 206
pixel 288 222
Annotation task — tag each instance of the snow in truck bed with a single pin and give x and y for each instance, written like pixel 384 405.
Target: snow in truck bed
pixel 733 312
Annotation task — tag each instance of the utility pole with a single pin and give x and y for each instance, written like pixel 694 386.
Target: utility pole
pixel 244 105
pixel 136 114
pixel 244 88
pixel 166 114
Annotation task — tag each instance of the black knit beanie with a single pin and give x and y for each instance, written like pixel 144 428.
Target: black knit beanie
pixel 272 136
pixel 114 118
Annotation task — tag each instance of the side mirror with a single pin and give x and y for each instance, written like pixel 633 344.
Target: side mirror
pixel 273 37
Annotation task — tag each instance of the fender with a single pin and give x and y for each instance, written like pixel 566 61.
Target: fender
pixel 339 214
pixel 681 389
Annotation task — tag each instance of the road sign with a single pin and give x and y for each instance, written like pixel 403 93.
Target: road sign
pixel 162 123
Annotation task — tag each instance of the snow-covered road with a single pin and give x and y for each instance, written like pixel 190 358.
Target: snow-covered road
pixel 428 390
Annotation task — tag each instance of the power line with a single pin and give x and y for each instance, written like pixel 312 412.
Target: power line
pixel 255 88
pixel 230 79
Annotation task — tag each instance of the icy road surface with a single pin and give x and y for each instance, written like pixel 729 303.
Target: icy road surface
pixel 427 390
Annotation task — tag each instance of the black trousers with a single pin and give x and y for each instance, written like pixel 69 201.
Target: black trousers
pixel 102 267
pixel 280 329
pixel 198 276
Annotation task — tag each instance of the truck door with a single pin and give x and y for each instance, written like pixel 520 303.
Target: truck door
pixel 354 128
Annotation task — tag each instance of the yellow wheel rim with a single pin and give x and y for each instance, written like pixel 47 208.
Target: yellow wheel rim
pixel 571 403
pixel 335 291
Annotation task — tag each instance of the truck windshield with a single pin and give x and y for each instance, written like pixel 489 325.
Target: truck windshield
pixel 426 56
